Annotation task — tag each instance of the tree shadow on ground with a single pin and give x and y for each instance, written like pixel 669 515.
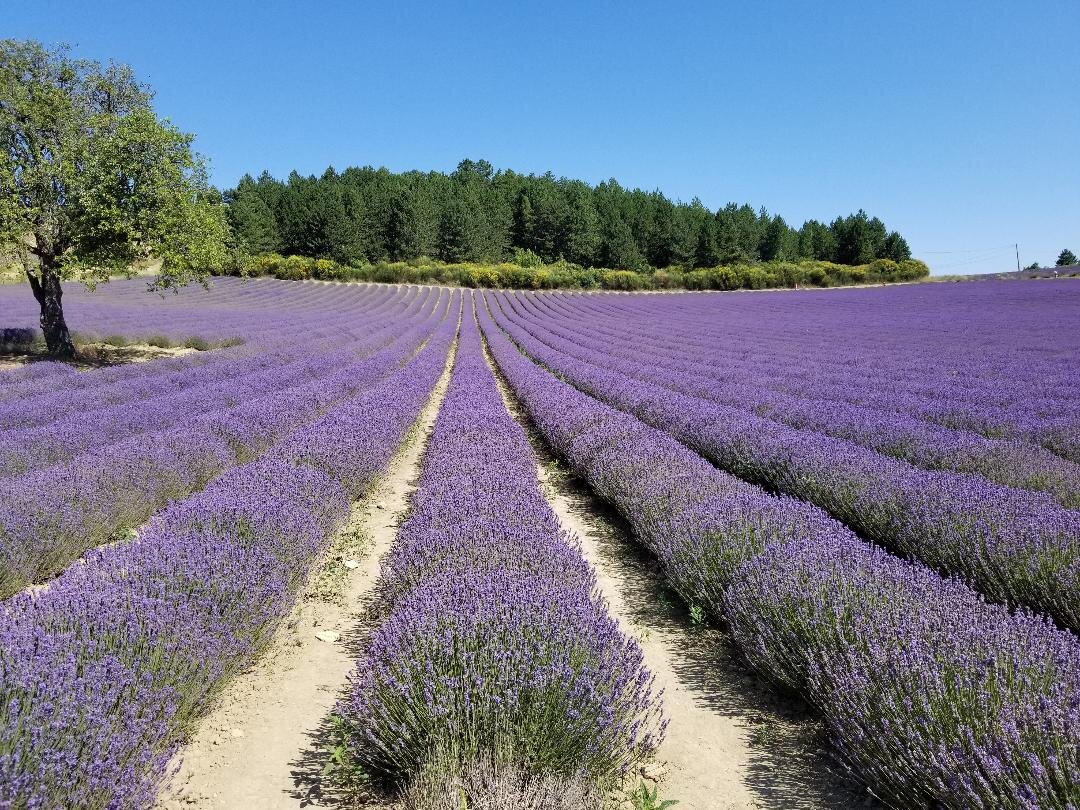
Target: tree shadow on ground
pixel 87 356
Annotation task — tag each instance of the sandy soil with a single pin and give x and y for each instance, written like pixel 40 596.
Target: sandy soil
pixel 731 743
pixel 96 355
pixel 260 748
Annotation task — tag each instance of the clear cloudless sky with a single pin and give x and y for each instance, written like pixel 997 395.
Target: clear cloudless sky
pixel 957 123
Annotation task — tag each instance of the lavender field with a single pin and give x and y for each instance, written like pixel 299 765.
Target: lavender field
pixel 328 559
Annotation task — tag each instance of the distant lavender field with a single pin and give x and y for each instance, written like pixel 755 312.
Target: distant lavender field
pixel 875 491
pixel 124 307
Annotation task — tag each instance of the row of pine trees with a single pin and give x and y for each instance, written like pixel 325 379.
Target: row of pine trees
pixel 476 214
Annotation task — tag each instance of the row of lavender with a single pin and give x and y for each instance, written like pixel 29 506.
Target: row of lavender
pixel 493 643
pixel 35 398
pixel 53 428
pixel 988 346
pixel 931 696
pixel 227 309
pixel 1013 545
pixel 50 516
pixel 996 363
pixel 873 425
pixel 102 673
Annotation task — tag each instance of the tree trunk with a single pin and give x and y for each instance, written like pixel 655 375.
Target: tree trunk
pixel 47 291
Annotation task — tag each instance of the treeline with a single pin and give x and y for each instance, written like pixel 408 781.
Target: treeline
pixel 528 271
pixel 475 214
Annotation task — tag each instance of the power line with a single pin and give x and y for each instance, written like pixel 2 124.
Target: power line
pixel 1001 249
pixel 984 257
pixel 972 250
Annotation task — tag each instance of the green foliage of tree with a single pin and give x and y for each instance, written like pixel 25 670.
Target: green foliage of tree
pixel 479 215
pixel 859 239
pixel 817 241
pixel 1065 258
pixel 254 226
pixel 738 233
pixel 895 247
pixel 778 241
pixel 582 236
pixel 92 181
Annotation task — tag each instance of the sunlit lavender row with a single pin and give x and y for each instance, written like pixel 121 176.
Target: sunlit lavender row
pixel 1015 545
pixel 494 643
pixel 931 696
pixel 872 496
pixel 105 671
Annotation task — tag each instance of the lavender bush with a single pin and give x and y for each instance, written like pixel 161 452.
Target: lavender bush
pixel 931 696
pixel 49 517
pixel 879 427
pixel 494 643
pixel 103 672
pixel 1015 546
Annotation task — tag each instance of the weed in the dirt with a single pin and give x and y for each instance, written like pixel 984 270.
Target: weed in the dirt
pixel 647 798
pixel 763 735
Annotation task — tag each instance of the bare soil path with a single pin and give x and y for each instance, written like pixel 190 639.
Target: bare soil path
pixel 98 355
pixel 732 743
pixel 259 747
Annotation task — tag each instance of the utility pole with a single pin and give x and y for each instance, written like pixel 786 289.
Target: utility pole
pixel 1017 246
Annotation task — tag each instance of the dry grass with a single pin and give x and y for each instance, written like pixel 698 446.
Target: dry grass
pixel 485 785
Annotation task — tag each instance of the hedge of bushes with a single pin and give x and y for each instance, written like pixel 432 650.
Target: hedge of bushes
pixel 528 272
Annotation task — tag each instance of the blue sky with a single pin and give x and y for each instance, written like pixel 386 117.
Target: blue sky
pixel 958 123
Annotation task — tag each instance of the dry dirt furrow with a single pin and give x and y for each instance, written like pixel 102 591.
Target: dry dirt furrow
pixel 731 742
pixel 260 747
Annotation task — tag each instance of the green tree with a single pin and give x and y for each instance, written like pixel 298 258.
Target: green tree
pixel 457 238
pixel 91 181
pixel 778 241
pixel 817 241
pixel 581 231
pixel 707 253
pixel 859 239
pixel 404 227
pixel 738 233
pixel 477 214
pixel 895 247
pixel 541 218
pixel 619 250
pixel 671 242
pixel 253 223
pixel 1065 258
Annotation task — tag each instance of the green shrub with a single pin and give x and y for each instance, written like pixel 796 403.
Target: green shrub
pixel 527 272
pixel 622 280
pixel 326 270
pixel 526 258
pixel 668 279
pixel 753 277
pixel 882 270
pixel 268 264
pixel 477 276
pixel 295 268
pixel 912 270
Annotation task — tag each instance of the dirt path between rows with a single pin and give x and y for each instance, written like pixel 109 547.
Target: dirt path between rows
pixel 259 747
pixel 731 743
pixel 98 355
